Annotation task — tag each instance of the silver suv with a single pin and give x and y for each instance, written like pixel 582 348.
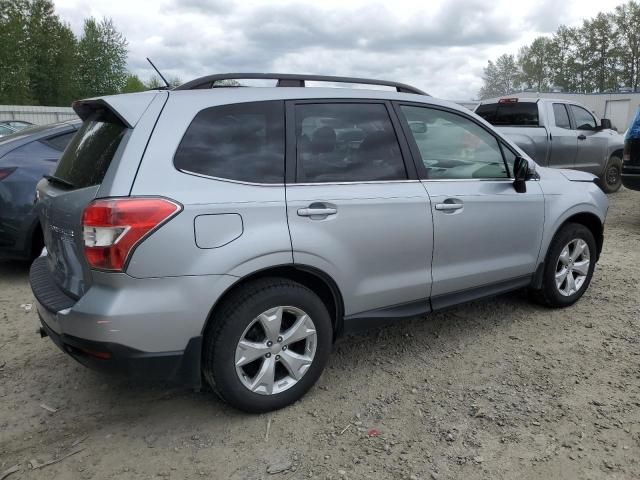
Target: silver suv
pixel 232 234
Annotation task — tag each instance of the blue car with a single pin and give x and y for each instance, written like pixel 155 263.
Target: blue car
pixel 25 157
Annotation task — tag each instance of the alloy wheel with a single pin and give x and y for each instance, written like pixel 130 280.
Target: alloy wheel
pixel 572 267
pixel 276 350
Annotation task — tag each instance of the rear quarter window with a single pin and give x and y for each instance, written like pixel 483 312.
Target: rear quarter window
pixel 243 142
pixel 88 155
pixel 524 114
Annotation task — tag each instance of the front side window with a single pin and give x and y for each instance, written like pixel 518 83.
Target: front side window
pixel 346 142
pixel 561 116
pixel 243 141
pixel 584 120
pixel 452 146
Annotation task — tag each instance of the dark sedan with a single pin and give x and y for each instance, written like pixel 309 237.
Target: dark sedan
pixel 24 158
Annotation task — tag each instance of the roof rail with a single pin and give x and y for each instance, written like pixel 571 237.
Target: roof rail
pixel 291 80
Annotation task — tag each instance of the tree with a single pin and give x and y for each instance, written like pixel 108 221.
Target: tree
pixel 602 64
pixel 627 21
pixel 560 58
pixel 51 55
pixel 133 84
pixel 102 59
pixel 534 62
pixel 500 78
pixel 14 59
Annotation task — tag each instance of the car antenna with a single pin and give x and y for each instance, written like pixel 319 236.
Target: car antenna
pixel 161 76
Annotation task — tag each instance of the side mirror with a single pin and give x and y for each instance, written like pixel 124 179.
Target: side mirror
pixel 520 173
pixel 605 124
pixel 418 127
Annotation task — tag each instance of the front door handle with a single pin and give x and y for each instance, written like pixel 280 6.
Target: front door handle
pixel 582 136
pixel 317 210
pixel 449 206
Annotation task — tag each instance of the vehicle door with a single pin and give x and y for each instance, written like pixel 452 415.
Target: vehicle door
pixel 592 142
pixel 486 235
pixel 563 138
pixel 356 209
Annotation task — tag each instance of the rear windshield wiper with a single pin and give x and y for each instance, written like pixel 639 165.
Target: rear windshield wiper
pixel 60 181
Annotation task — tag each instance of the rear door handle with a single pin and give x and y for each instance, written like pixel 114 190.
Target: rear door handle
pixel 582 137
pixel 449 206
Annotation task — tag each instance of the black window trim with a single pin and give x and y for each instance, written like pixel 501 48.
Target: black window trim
pixel 291 168
pixel 415 151
pixel 231 180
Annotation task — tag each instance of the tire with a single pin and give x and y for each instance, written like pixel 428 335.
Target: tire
pixel 551 294
pixel 240 318
pixel 611 179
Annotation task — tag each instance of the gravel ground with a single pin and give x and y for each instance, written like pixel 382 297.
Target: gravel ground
pixel 496 389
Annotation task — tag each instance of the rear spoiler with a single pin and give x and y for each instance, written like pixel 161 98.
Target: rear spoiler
pixel 127 107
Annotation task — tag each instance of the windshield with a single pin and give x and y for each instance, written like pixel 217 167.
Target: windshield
pixel 88 156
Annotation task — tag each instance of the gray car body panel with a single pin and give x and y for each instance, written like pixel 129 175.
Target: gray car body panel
pixel 551 146
pixel 378 248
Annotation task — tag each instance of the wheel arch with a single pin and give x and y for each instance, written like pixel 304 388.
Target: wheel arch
pixel 589 220
pixel 616 153
pixel 316 280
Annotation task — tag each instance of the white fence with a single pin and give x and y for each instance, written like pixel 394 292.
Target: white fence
pixel 37 115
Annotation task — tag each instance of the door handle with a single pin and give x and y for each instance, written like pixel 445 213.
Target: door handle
pixel 449 206
pixel 582 137
pixel 312 212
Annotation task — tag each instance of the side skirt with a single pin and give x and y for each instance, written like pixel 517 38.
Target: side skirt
pixel 387 315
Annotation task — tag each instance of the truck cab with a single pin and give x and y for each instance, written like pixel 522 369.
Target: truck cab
pixel 560 134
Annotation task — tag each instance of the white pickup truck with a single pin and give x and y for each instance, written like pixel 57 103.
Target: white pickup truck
pixel 559 133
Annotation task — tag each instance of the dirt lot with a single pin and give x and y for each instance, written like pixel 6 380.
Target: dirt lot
pixel 496 389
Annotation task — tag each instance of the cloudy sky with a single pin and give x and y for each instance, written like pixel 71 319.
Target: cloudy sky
pixel 440 46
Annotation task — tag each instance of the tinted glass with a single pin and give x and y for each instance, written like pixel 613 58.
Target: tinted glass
pixel 561 116
pixel 89 154
pixel 347 142
pixel 453 146
pixel 60 142
pixel 512 114
pixel 242 142
pixel 584 120
pixel 509 157
pixel 5 130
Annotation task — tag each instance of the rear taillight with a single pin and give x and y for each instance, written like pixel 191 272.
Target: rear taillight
pixel 112 228
pixel 5 172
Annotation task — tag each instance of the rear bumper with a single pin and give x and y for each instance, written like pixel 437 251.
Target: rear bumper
pixel 181 367
pixel 139 327
pixel 631 176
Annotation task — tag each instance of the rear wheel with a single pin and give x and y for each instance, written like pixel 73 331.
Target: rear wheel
pixel 568 266
pixel 267 345
pixel 611 179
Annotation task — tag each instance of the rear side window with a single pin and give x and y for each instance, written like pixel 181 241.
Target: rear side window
pixel 513 114
pixel 88 155
pixel 243 142
pixel 60 142
pixel 561 116
pixel 346 142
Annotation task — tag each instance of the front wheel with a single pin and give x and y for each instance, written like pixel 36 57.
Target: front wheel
pixel 568 266
pixel 611 179
pixel 267 345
